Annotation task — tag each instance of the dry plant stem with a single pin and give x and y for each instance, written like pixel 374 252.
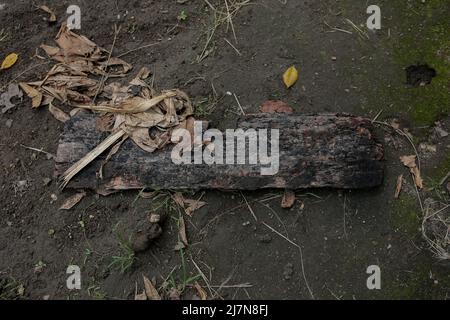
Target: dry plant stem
pixel 88 158
pixel 138 48
pixel 249 208
pixel 22 73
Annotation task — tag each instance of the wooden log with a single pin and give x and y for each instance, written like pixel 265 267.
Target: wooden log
pixel 325 150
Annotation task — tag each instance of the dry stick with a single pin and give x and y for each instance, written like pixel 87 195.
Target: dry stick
pixel 38 150
pixel 231 45
pixel 103 79
pixel 301 255
pixel 239 104
pixel 249 208
pixel 230 21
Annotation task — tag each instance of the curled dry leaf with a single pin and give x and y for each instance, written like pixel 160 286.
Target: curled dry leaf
pixel 72 201
pixel 201 292
pixel 52 17
pixel 410 162
pixel 150 290
pixel 9 61
pixel 272 106
pixel 290 77
pixel 288 199
pixel 193 205
pixel 398 188
pixel 58 113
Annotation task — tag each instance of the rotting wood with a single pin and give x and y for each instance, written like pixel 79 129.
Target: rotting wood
pixel 316 151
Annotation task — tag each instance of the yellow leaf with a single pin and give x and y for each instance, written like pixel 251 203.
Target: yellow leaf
pixel 9 61
pixel 290 77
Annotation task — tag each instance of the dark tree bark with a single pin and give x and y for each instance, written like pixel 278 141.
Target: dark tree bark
pixel 326 150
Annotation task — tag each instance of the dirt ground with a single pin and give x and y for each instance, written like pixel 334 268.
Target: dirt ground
pixel 340 233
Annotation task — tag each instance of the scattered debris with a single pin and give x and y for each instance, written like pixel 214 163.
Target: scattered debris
pixel 288 199
pixel 272 106
pixel 410 162
pixel 5 98
pixel 290 77
pixel 9 61
pixel 72 201
pixel 189 205
pixel 399 186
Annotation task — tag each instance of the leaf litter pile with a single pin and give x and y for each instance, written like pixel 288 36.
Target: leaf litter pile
pixel 125 111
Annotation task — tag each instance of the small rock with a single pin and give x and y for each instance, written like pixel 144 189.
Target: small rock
pixel 441 133
pixel 448 187
pixel 266 238
pixel 46 181
pixel 8 123
pixel 53 198
pixel 154 218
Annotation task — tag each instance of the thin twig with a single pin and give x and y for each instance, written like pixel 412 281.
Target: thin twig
pixel 231 45
pixel 105 77
pixel 301 255
pixel 139 48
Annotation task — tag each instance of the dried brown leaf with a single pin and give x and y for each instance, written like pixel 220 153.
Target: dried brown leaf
pixel 72 201
pixel 398 188
pixel 58 113
pixel 150 290
pixel 35 95
pixel 410 162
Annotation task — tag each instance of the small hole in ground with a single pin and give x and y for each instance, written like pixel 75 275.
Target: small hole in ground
pixel 419 75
